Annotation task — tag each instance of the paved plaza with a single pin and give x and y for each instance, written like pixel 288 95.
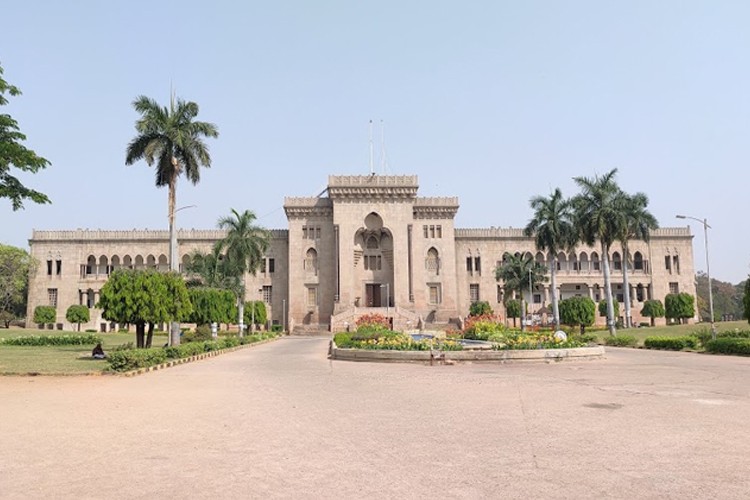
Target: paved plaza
pixel 282 421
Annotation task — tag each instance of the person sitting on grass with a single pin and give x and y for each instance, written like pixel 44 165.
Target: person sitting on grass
pixel 98 352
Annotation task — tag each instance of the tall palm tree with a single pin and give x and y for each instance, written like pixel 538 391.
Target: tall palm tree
pixel 597 218
pixel 637 223
pixel 171 139
pixel 244 246
pixel 553 230
pixel 519 273
pixel 210 270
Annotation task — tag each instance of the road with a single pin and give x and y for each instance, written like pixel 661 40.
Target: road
pixel 282 421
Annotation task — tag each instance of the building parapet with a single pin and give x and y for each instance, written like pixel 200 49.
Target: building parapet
pixel 515 232
pixel 137 234
pixel 373 187
pixel 671 232
pixel 372 180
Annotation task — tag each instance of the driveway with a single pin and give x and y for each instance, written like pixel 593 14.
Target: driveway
pixel 282 421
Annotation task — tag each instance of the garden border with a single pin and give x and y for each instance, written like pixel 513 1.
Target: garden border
pixel 501 356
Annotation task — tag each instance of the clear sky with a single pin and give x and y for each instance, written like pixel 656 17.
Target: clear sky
pixel 491 101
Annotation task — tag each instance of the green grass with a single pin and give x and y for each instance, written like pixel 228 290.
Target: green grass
pixel 74 360
pixel 676 330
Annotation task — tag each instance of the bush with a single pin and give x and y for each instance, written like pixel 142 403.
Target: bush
pixel 672 343
pixel 201 334
pixel 586 338
pixel 483 327
pixel 44 340
pixel 480 308
pixel 621 341
pixel 728 345
pixel 44 314
pixel 132 359
pixel 372 323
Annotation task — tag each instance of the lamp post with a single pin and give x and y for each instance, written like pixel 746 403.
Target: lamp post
pixel 531 297
pixel 174 265
pixel 387 296
pixel 706 227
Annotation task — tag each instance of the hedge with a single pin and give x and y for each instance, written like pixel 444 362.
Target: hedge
pixel 704 334
pixel 728 346
pixel 672 343
pixel 44 340
pixel 621 341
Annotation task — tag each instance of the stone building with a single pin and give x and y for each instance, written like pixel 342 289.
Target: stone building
pixel 367 244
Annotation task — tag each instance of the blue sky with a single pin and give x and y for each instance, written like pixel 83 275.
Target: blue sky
pixel 492 101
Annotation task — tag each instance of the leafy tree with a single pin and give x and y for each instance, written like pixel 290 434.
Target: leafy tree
pixel 727 298
pixel 479 308
pixel 597 218
pixel 255 311
pixel 518 273
pixel 553 230
pixel 653 309
pixel 211 305
pixel 78 314
pixel 637 223
pixel 679 306
pixel 578 311
pixel 44 315
pixel 603 307
pixel 513 309
pixel 244 245
pixel 173 140
pixel 15 267
pixel 746 300
pixel 144 296
pixel 13 154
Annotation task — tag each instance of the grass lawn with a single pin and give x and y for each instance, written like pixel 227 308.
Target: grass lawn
pixel 74 359
pixel 676 330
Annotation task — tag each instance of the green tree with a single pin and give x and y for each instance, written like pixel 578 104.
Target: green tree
pixel 244 247
pixel 519 273
pixel 578 311
pixel 13 154
pixel 553 230
pixel 44 315
pixel 653 309
pixel 479 308
pixel 513 310
pixel 15 267
pixel 604 306
pixel 144 297
pixel 679 306
pixel 211 305
pixel 78 314
pixel 746 300
pixel 210 270
pixel 597 219
pixel 255 313
pixel 173 140
pixel 637 224
pixel 727 298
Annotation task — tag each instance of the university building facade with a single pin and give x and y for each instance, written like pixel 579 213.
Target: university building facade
pixel 371 244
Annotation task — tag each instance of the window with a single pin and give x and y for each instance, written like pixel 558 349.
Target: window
pixel 311 261
pixel 620 298
pixel 434 290
pixel 469 262
pixel 271 265
pixel 317 233
pixel 668 263
pixel 499 294
pixel 263 266
pixel 52 297
pixel 312 296
pixel 424 228
pixel 674 287
pixel 373 263
pixel 477 265
pixel 267 294
pixel 638 261
pixel 90 298
pixel 676 263
pixel 616 262
pixel 432 263
pixel 304 232
pixel 432 231
pixel 58 267
pixel 537 298
pixel 438 231
pixel 49 268
pixel 474 292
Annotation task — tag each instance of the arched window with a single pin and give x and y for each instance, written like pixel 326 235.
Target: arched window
pixel 540 257
pixel 638 262
pixel 185 263
pixel 114 263
pixel 595 263
pixel 103 265
pixel 616 261
pixel 139 261
pixel 163 263
pixel 311 261
pixel 91 265
pixel 151 262
pixel 127 262
pixel 573 262
pixel 583 261
pixel 432 262
pixel 372 243
pixel 562 262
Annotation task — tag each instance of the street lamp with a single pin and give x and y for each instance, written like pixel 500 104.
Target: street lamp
pixel 174 265
pixel 531 298
pixel 387 296
pixel 706 227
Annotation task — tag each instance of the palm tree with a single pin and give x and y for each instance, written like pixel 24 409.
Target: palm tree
pixel 173 140
pixel 637 224
pixel 597 218
pixel 210 270
pixel 519 273
pixel 553 230
pixel 244 246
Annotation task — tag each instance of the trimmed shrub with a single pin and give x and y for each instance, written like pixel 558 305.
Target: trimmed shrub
pixel 372 323
pixel 133 359
pixel 672 343
pixel 621 341
pixel 44 340
pixel 728 345
pixel 202 333
pixel 44 314
pixel 480 308
pixel 482 327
